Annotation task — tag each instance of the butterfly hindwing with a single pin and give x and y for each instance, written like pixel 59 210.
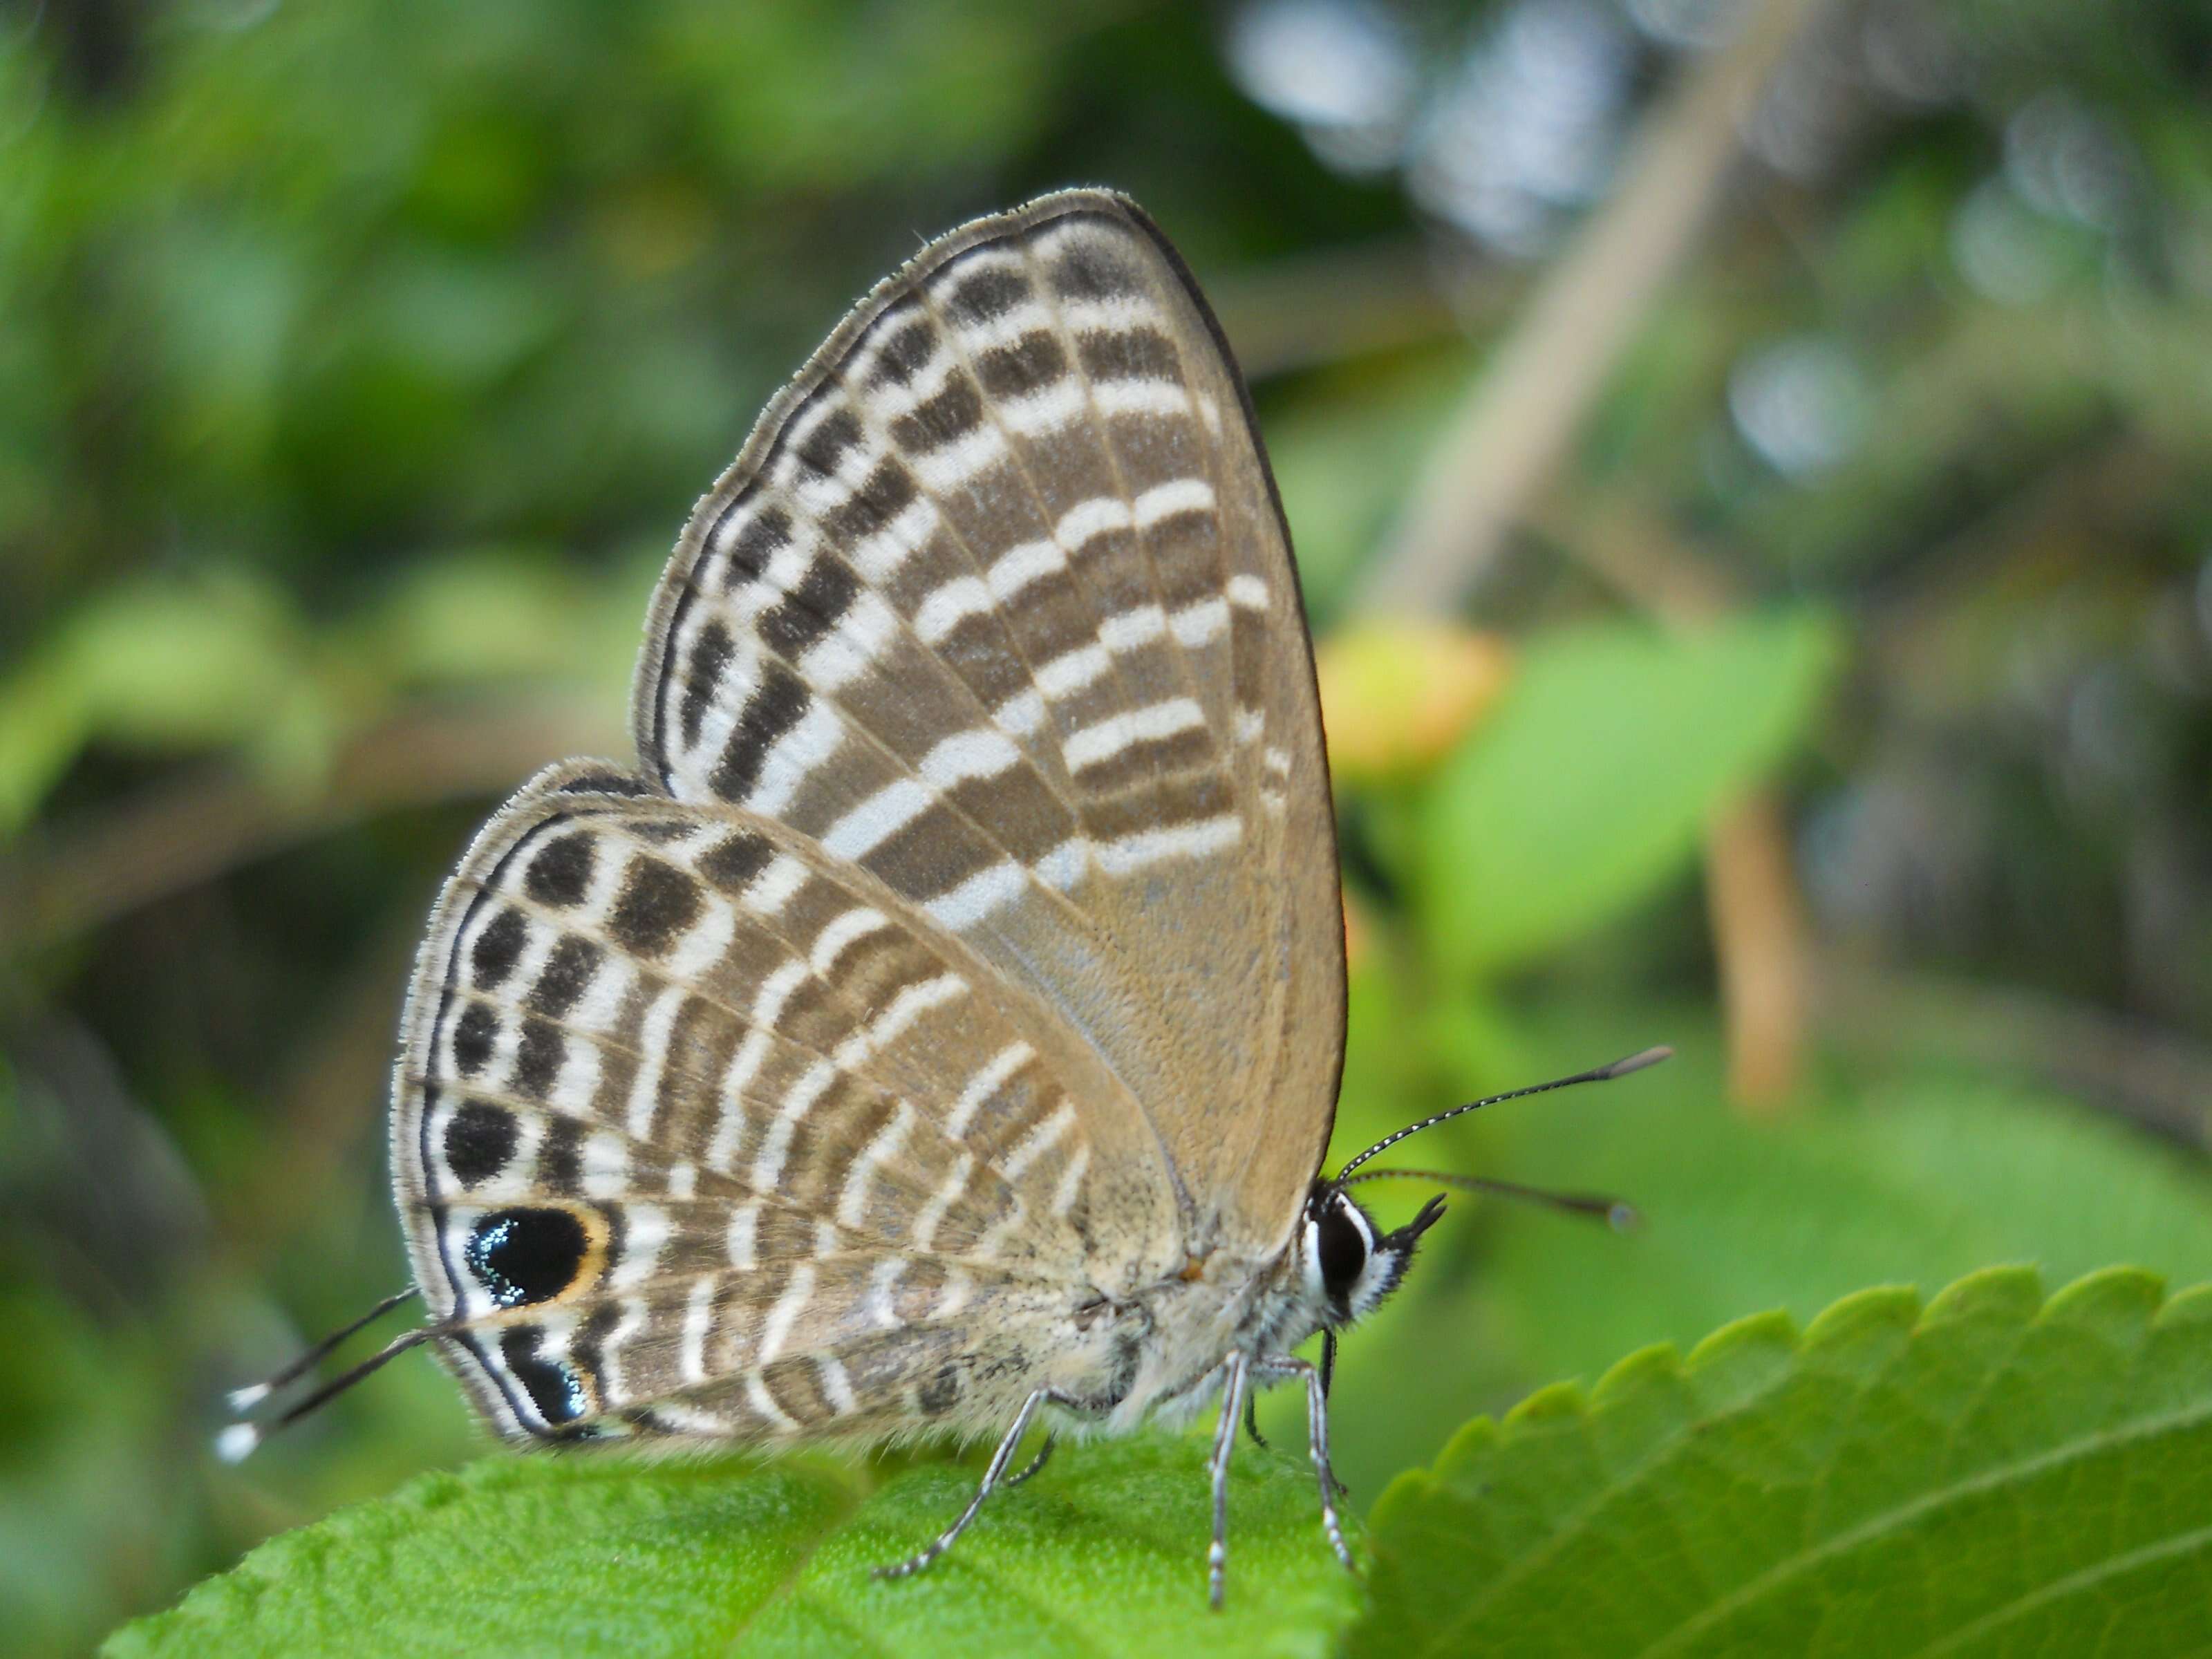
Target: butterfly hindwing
pixel 658 1056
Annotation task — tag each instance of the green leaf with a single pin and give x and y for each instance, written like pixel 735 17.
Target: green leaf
pixel 1906 1179
pixel 177 663
pixel 1589 784
pixel 472 615
pixel 42 724
pixel 1993 1474
pixel 1102 1552
pixel 162 663
pixel 1909 1180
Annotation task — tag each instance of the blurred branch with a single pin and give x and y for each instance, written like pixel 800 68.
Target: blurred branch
pixel 1498 453
pixel 1762 946
pixel 2055 524
pixel 2147 1075
pixel 1625 541
pixel 177 836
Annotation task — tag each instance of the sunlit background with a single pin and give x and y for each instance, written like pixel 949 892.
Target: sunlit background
pixel 1752 469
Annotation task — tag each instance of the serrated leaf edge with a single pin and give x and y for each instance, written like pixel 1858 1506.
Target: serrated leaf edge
pixel 2005 1292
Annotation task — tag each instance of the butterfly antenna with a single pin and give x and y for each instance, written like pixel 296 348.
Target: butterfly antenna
pixel 1622 1216
pixel 243 1401
pixel 239 1440
pixel 1635 1062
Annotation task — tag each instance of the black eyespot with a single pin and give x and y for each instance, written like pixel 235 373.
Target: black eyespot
pixel 1343 1249
pixel 526 1255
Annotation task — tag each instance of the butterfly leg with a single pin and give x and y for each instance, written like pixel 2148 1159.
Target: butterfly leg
pixel 1252 1419
pixel 992 1475
pixel 1288 1366
pixel 1044 1455
pixel 1236 1378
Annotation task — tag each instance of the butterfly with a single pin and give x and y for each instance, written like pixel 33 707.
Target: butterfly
pixel 936 1024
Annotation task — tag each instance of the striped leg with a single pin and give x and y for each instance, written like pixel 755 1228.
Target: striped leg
pixel 1286 1366
pixel 1043 1456
pixel 992 1475
pixel 1236 1379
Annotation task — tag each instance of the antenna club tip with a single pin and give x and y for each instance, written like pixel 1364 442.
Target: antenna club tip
pixel 243 1401
pixel 1636 1062
pixel 236 1444
pixel 1623 1218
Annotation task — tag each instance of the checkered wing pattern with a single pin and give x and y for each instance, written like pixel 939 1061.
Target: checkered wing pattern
pixel 967 931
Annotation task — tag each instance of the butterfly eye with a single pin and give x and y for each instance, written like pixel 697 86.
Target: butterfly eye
pixel 1342 1247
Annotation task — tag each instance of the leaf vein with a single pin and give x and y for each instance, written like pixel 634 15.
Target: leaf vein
pixel 1928 1503
pixel 849 1504
pixel 2073 1583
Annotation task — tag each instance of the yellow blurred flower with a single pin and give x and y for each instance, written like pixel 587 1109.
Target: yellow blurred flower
pixel 1359 933
pixel 1396 697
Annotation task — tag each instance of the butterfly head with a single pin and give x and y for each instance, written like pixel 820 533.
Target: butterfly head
pixel 1348 1266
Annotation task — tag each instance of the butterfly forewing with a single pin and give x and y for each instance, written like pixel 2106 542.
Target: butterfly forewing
pixel 1000 579
pixel 966 942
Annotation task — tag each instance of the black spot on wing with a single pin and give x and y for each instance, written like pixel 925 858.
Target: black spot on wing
pixel 658 902
pixel 732 862
pixel 1091 268
pixel 883 496
pixel 765 533
pixel 944 418
pixel 561 1157
pixel 474 1033
pixel 835 436
pixel 538 1056
pixel 480 1140
pixel 525 1255
pixel 561 871
pixel 979 295
pixel 906 350
pixel 1133 354
pixel 1034 361
pixel 709 659
pixel 492 956
pixel 937 1396
pixel 556 1388
pixel 599 782
pixel 571 967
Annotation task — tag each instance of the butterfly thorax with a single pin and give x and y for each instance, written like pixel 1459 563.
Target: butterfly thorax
pixel 1160 1350
pixel 1154 1356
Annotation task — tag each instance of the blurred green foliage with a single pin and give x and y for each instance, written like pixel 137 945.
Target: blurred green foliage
pixel 362 361
pixel 1517 854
